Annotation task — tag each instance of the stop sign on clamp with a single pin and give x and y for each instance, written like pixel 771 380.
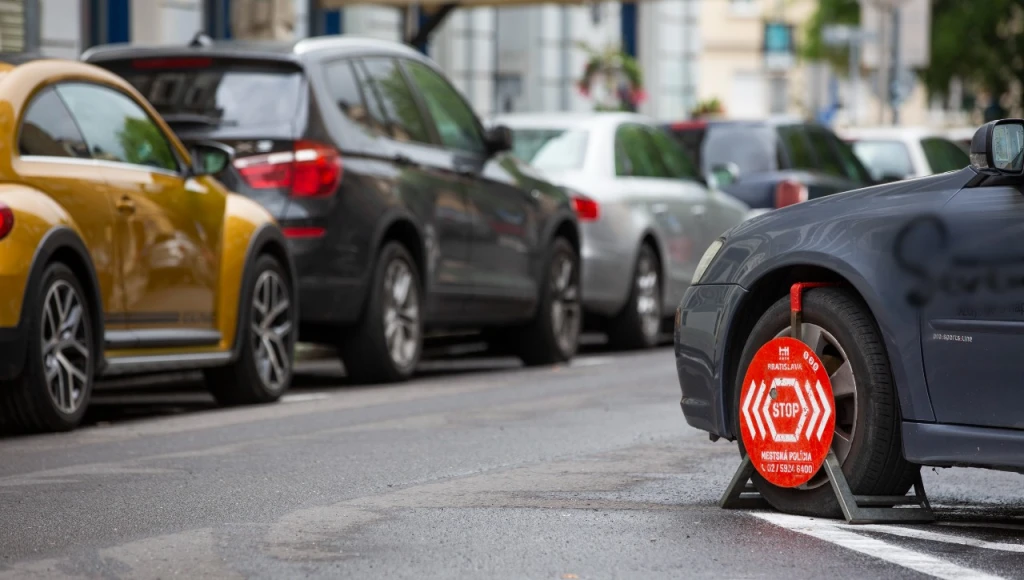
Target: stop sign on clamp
pixel 787 422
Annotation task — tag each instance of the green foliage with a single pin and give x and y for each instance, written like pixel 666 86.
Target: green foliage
pixel 829 12
pixel 611 62
pixel 977 41
pixel 708 107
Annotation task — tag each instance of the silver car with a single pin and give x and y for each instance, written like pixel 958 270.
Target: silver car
pixel 646 213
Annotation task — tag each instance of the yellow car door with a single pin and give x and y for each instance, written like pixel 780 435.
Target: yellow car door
pixel 169 225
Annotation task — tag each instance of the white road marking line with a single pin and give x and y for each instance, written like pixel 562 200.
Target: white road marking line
pixel 300 397
pixel 590 361
pixel 833 533
pixel 919 534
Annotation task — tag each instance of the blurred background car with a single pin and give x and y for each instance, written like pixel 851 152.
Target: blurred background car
pixel 961 136
pixel 404 216
pixel 113 259
pixel 646 213
pixel 772 163
pixel 895 153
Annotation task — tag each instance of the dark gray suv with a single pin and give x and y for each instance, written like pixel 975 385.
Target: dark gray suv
pixel 403 214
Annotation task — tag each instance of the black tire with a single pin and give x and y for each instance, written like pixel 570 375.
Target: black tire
pixel 366 352
pixel 545 341
pixel 27 404
pixel 875 463
pixel 629 330
pixel 253 378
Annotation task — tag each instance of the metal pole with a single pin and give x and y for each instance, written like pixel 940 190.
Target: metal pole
pixel 852 100
pixel 33 22
pixel 894 97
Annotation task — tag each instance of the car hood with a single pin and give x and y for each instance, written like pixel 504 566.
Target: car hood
pixel 901 198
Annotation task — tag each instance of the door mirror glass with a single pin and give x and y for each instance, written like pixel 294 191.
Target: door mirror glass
pixel 998 147
pixel 725 174
pixel 210 158
pixel 499 138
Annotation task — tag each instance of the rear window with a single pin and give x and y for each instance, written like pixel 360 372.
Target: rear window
pixel 551 149
pixel 751 148
pixel 218 93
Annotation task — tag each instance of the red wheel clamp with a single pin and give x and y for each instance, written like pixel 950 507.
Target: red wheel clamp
pixel 807 411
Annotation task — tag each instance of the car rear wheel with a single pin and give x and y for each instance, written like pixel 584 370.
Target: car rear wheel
pixel 841 330
pixel 639 323
pixel 387 344
pixel 54 389
pixel 553 335
pixel 263 370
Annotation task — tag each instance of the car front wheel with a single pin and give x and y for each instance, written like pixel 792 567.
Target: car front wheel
pixel 841 330
pixel 262 372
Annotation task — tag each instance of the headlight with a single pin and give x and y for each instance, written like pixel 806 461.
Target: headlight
pixel 705 260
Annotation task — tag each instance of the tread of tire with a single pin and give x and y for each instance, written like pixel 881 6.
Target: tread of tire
pixel 534 344
pixel 623 331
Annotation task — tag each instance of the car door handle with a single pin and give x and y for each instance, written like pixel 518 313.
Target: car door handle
pixel 125 205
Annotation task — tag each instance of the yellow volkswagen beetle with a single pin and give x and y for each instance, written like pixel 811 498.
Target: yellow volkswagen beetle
pixel 120 254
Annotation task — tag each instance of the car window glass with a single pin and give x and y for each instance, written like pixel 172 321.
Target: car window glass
pixel 566 151
pixel 828 157
pixel 455 121
pixel 797 148
pixel 403 113
pixel 372 99
pixel 852 165
pixel 641 155
pixel 675 160
pixel 884 158
pixel 116 127
pixel 48 129
pixel 527 142
pixel 345 91
pixel 944 155
pixel 753 149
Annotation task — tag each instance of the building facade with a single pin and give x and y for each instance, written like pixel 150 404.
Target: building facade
pixel 518 58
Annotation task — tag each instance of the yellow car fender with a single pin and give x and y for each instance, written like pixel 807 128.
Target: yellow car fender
pixel 42 230
pixel 249 231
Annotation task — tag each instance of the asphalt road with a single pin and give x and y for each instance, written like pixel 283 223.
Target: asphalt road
pixel 477 469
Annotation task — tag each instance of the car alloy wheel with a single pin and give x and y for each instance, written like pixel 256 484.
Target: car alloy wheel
pixel 844 390
pixel 271 326
pixel 565 303
pixel 401 314
pixel 648 300
pixel 65 347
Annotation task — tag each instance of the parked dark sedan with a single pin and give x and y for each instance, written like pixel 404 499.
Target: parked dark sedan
pixel 772 163
pixel 403 214
pixel 922 335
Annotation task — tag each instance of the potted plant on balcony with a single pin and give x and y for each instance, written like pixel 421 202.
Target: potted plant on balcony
pixel 708 109
pixel 612 79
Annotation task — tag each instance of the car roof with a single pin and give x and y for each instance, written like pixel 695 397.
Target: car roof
pixel 567 120
pixel 315 48
pixel 894 133
pixel 770 122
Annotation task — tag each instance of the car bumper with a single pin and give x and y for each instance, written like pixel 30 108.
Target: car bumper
pixel 324 297
pixel 12 353
pixel 606 273
pixel 700 338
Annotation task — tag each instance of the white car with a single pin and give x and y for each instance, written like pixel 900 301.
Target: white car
pixel 895 153
pixel 646 213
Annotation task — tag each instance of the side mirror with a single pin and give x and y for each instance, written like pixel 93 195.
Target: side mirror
pixel 998 147
pixel 210 158
pixel 499 138
pixel 725 174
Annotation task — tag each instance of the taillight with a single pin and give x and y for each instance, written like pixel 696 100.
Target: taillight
pixel 789 192
pixel 6 220
pixel 299 232
pixel 586 209
pixel 309 170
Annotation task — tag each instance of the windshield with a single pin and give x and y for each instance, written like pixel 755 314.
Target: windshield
pixel 218 93
pixel 752 149
pixel 884 158
pixel 551 149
